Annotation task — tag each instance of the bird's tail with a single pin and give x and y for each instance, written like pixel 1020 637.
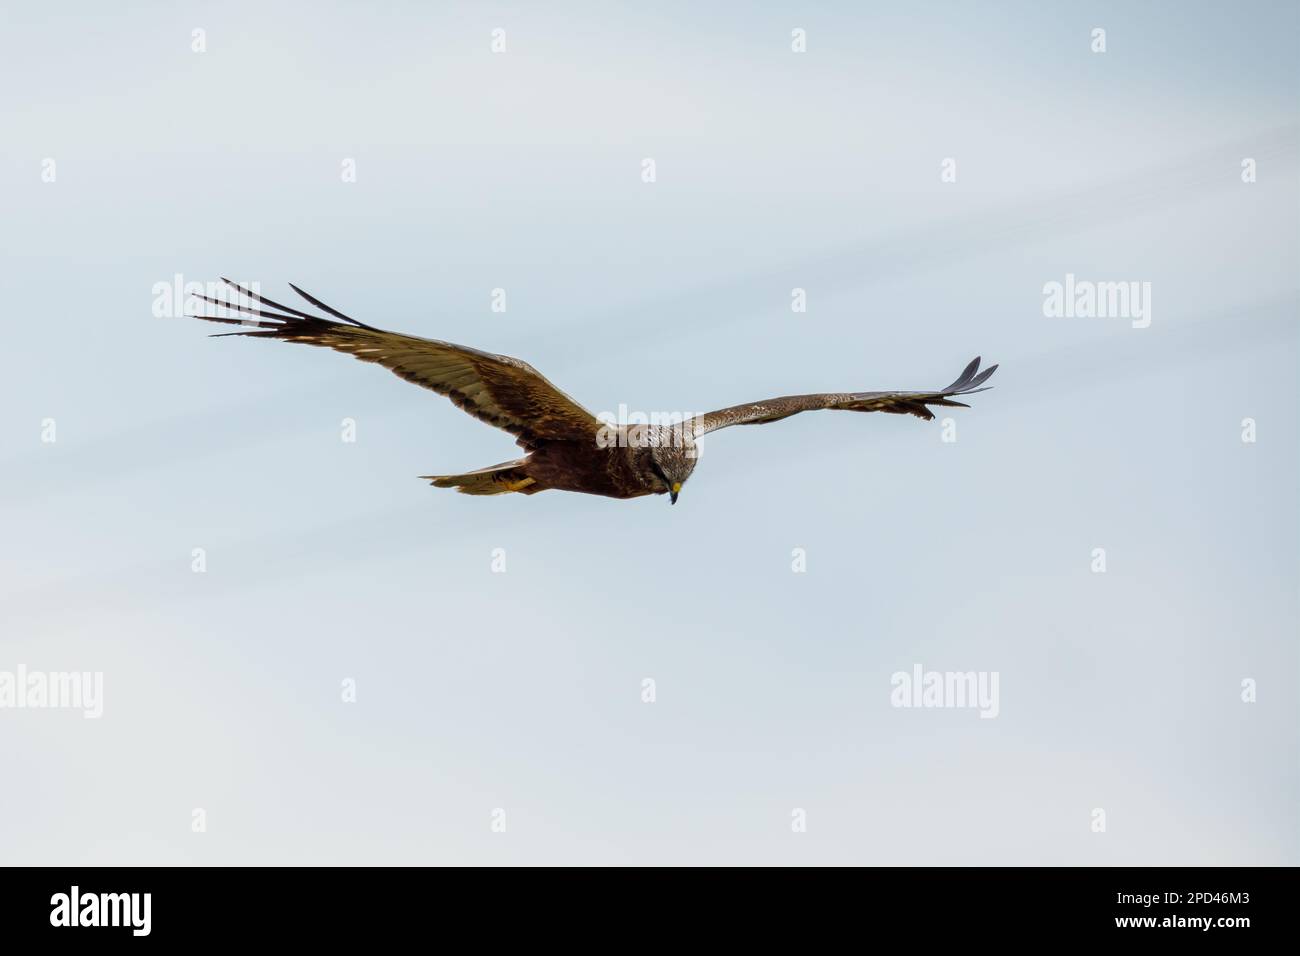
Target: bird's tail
pixel 499 479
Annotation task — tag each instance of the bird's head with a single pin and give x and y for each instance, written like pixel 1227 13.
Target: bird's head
pixel 672 464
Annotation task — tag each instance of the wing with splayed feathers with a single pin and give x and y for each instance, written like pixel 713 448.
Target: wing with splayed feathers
pixel 894 403
pixel 497 389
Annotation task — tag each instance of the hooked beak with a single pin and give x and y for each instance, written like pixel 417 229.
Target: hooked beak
pixel 677 490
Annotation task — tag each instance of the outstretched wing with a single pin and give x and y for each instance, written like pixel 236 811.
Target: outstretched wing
pixel 895 403
pixel 497 389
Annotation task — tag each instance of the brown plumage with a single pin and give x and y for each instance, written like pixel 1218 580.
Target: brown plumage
pixel 568 447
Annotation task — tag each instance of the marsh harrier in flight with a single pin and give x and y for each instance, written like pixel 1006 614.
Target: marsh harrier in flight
pixel 568 448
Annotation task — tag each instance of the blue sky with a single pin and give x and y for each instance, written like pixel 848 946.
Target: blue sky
pixel 328 561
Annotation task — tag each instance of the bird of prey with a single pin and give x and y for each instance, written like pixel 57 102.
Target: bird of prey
pixel 568 448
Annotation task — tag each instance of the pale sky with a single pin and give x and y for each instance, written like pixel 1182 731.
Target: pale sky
pixel 484 696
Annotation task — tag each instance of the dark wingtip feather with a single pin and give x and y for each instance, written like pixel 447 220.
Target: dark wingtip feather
pixel 256 297
pixel 289 316
pixel 330 309
pixel 237 307
pixel 983 376
pixel 966 375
